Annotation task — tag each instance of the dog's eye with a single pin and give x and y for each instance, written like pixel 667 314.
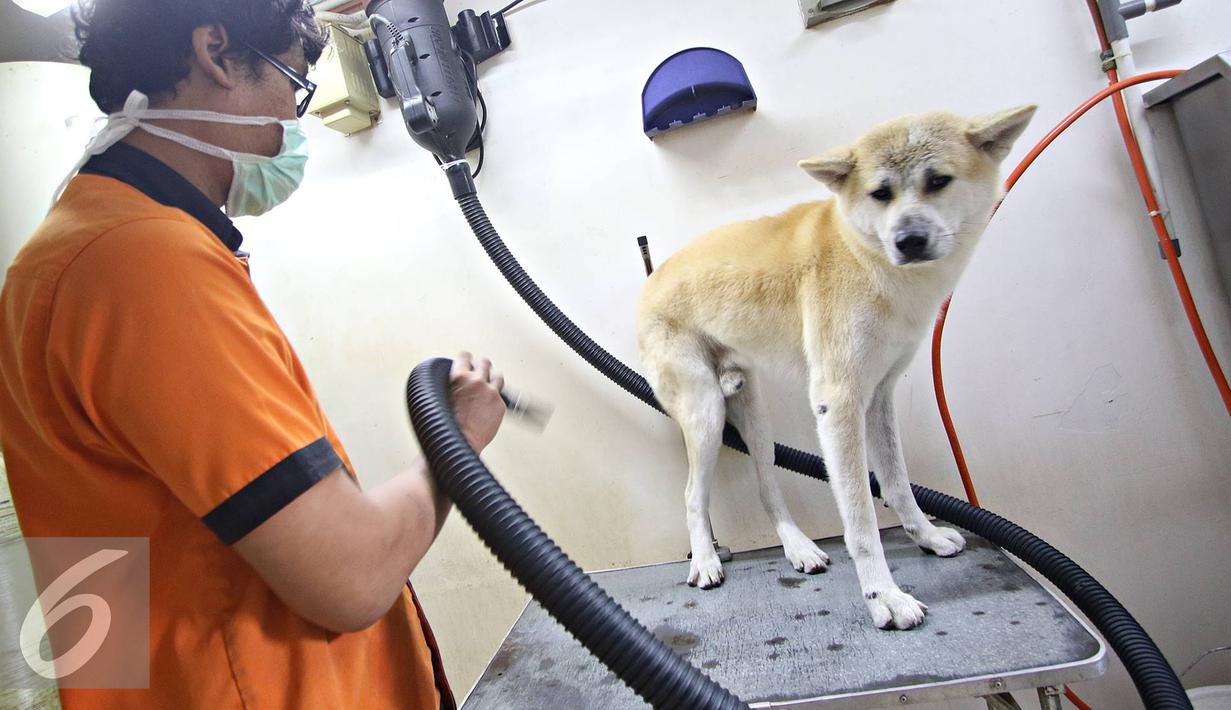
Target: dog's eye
pixel 936 183
pixel 882 194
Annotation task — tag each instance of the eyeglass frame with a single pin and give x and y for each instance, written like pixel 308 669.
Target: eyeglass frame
pixel 296 78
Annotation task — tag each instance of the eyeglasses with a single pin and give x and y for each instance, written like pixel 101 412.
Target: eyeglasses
pixel 304 89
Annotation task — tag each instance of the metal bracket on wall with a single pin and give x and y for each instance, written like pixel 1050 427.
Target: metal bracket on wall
pixel 1108 59
pixel 1175 244
pixel 818 11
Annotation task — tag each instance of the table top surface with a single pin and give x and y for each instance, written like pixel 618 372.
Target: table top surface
pixel 779 638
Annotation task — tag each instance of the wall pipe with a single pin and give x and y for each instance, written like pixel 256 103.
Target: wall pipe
pixel 1113 21
pixel 1137 8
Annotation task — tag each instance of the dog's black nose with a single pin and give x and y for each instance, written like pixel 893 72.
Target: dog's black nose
pixel 913 245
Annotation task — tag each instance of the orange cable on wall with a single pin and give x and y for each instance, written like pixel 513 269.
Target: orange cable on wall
pixel 1113 90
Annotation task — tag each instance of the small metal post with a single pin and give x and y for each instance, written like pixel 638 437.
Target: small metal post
pixel 1049 698
pixel 644 245
pixel 724 553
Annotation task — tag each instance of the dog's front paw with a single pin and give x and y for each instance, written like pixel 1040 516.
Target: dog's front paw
pixel 894 609
pixel 705 571
pixel 945 542
pixel 805 556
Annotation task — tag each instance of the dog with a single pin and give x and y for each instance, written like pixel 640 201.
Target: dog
pixel 843 291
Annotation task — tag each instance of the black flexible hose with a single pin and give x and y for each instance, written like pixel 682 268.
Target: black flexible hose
pixel 1154 678
pixel 1156 681
pixel 648 666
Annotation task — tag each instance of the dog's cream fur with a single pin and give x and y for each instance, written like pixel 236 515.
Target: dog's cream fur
pixel 843 290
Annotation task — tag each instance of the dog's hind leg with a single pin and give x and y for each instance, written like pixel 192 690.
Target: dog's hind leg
pixel 885 455
pixel 746 410
pixel 701 417
pixel 687 386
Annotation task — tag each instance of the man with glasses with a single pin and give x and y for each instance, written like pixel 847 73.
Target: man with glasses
pixel 303 88
pixel 146 391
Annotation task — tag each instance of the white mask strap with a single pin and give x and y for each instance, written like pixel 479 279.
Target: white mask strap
pixel 136 108
pixel 199 145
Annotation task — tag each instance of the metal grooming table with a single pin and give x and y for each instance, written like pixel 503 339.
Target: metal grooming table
pixel 779 638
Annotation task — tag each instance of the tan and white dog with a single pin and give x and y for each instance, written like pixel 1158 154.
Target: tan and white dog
pixel 843 290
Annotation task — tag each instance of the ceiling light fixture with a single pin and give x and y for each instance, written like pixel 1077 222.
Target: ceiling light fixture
pixel 46 8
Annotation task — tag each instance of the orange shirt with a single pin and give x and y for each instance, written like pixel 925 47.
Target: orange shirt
pixel 146 391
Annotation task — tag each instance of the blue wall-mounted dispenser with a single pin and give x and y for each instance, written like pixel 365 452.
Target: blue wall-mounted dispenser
pixel 693 85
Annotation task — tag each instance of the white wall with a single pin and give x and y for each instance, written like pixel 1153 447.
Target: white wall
pixel 1085 409
pixel 48 119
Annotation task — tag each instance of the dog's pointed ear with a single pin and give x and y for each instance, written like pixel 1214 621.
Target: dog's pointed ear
pixel 995 133
pixel 831 167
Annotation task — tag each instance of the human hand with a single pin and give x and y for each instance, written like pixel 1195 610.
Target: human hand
pixel 475 394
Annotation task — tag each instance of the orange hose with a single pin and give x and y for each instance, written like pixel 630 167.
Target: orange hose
pixel 1111 90
pixel 938 330
pixel 1076 699
pixel 1173 260
pixel 1114 89
pixel 1097 16
pixel 1160 228
pixel 1156 219
pixel 938 383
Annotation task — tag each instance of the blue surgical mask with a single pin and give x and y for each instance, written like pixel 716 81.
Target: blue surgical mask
pixel 260 182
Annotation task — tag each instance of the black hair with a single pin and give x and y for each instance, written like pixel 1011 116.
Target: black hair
pixel 146 44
